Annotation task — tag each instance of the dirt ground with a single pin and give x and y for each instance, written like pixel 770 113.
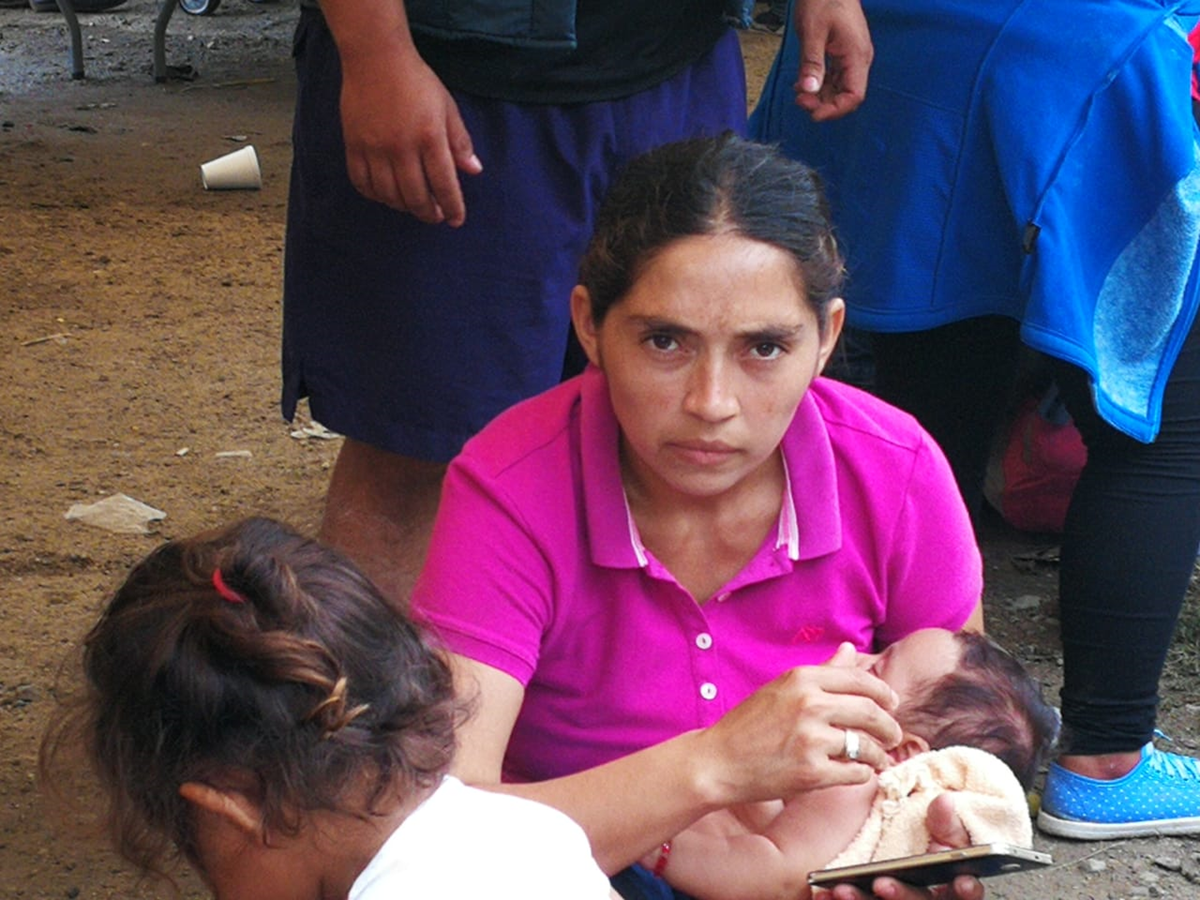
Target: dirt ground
pixel 140 319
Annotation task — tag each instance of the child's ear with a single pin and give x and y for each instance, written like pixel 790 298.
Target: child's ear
pixel 231 805
pixel 910 745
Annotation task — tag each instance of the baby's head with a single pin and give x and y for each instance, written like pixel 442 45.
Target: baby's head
pixel 964 689
pixel 257 658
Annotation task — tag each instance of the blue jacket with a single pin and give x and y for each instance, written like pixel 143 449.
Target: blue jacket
pixel 1029 158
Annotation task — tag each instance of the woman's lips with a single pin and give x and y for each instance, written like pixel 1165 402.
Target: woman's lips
pixel 704 453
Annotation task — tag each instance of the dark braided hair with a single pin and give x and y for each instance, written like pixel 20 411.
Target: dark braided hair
pixel 286 668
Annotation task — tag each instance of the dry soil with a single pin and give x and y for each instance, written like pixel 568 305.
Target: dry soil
pixel 141 320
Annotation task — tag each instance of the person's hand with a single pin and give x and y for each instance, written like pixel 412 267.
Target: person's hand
pixel 790 735
pixel 835 57
pixel 945 826
pixel 964 887
pixel 405 140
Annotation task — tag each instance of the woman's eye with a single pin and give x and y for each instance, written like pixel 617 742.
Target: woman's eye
pixel 766 350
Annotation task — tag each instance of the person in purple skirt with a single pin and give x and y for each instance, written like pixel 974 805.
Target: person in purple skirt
pixel 447 166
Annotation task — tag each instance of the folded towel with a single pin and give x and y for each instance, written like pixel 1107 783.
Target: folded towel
pixel 987 797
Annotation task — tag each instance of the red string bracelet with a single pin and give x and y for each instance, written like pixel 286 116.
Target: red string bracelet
pixel 225 590
pixel 660 864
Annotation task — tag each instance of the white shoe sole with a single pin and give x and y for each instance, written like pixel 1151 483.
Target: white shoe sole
pixel 1104 831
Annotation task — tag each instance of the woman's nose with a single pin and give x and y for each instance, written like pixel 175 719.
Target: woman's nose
pixel 711 395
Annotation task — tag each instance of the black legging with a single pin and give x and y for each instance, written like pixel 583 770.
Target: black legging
pixel 1132 529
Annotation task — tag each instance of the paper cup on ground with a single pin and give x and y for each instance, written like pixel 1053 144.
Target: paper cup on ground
pixel 233 171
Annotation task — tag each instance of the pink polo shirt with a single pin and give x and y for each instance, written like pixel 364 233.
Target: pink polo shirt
pixel 535 569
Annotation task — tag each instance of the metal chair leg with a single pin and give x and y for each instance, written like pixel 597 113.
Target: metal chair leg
pixel 166 8
pixel 67 8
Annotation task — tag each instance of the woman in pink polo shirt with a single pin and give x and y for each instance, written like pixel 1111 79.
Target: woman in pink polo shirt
pixel 643 574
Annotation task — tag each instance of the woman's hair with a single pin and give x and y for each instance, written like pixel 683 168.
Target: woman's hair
pixel 253 657
pixel 991 703
pixel 711 186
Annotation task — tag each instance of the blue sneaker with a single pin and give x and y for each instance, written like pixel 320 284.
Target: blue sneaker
pixel 1160 795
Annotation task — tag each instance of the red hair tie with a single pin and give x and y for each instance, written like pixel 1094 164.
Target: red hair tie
pixel 225 590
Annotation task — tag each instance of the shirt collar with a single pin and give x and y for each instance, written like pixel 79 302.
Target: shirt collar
pixel 788 534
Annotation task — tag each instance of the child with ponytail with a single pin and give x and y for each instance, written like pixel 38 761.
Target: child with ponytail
pixel 254 706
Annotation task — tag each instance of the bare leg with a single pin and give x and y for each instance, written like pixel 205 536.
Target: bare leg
pixel 379 511
pixel 1104 766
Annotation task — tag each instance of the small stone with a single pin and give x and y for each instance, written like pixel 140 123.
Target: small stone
pixel 1170 863
pixel 1148 877
pixel 1093 866
pixel 1025 601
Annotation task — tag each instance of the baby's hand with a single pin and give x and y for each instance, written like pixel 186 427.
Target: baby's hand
pixel 945 827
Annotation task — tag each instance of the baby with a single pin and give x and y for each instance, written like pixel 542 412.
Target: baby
pixel 253 705
pixel 976 730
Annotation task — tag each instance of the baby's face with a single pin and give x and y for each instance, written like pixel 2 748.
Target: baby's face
pixel 912 661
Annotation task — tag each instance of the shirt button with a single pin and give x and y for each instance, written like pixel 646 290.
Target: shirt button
pixel 704 640
pixel 708 690
pixel 723 596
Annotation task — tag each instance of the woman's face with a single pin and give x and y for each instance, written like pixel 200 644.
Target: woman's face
pixel 707 357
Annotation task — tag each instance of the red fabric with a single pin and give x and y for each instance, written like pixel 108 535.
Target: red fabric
pixel 1194 40
pixel 1040 466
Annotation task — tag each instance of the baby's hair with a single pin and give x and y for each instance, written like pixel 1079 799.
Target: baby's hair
pixel 991 703
pixel 711 186
pixel 256 658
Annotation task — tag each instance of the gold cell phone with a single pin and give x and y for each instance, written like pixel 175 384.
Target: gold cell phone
pixel 981 860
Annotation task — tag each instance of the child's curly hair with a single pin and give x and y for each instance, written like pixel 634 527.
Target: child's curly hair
pixel 256 654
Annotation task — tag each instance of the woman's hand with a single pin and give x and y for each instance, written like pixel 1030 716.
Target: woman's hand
pixel 964 887
pixel 791 734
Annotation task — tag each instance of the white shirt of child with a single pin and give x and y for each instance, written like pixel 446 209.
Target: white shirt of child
pixel 464 842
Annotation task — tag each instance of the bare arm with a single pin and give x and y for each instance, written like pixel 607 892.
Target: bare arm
pixel 727 857
pixel 711 861
pixel 784 739
pixel 835 57
pixel 405 140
